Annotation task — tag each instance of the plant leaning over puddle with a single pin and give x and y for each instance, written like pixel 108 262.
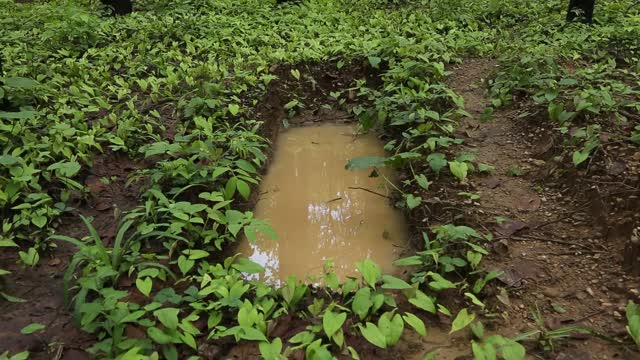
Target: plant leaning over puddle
pixel 212 292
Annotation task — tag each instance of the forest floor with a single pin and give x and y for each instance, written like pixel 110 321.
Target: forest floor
pixel 514 137
pixel 555 254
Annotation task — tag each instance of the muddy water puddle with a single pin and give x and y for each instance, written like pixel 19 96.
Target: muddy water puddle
pixel 320 211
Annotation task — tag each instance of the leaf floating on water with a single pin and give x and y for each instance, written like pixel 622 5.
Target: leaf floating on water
pixel 365 162
pixel 247 266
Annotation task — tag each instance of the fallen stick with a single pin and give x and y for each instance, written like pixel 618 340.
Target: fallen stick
pixel 369 191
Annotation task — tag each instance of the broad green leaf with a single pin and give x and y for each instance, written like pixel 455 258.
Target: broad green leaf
pixel 513 351
pixel 424 302
pixel 20 82
pixel 370 271
pixel 247 266
pixel 185 264
pixel 26 114
pixel 272 350
pixel 373 335
pixel 144 285
pixel 8 160
pixel 633 321
pixel 195 254
pixel 365 162
pixel 246 166
pixel 413 201
pixel 362 302
pixel 11 299
pixel 159 336
pixel 568 81
pixel 234 109
pixel 422 181
pixel 462 320
pixel 247 333
pixel 30 257
pixel 439 282
pixel 168 317
pixel 474 299
pixel 485 168
pixel 416 323
pixel 31 328
pixel 24 355
pixel 579 157
pixel 458 169
pixel 391 326
pixel 437 161
pixel 39 221
pixel 331 322
pixel 408 261
pixel 243 189
pixel 392 282
pixel 65 168
pixel 317 351
pixel 374 61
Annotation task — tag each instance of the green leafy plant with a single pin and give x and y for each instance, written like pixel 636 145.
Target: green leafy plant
pixel 633 322
pixel 495 346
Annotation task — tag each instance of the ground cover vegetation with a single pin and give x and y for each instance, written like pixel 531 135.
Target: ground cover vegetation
pixel 147 134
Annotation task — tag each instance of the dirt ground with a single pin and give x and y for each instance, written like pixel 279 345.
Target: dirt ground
pixel 559 234
pixel 555 250
pixel 42 287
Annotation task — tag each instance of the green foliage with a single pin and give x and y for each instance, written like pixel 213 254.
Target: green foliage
pixel 32 328
pixel 633 322
pixel 176 88
pixel 495 346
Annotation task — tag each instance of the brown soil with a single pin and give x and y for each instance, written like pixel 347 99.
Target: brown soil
pixel 42 286
pixel 554 253
pixel 560 248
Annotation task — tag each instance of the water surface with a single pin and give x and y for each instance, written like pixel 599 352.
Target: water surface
pixel 319 209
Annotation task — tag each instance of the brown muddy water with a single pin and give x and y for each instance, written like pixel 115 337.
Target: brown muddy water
pixel 319 209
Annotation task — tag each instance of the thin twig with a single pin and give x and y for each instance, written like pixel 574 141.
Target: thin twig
pixel 557 220
pixel 536 238
pixel 583 318
pixel 369 191
pixel 332 200
pixel 585 251
pixel 610 183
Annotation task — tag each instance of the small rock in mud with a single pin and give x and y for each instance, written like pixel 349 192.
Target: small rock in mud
pixel 573 355
pixel 551 292
pixel 209 351
pixel 529 203
pixel 512 227
pixel 501 247
pixel 493 183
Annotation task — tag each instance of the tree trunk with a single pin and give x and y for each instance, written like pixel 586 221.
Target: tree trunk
pixel 119 7
pixel 581 10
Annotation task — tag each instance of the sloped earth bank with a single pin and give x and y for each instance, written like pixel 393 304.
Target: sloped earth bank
pixel 554 253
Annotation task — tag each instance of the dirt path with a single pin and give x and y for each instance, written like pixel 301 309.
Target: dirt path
pixel 553 254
